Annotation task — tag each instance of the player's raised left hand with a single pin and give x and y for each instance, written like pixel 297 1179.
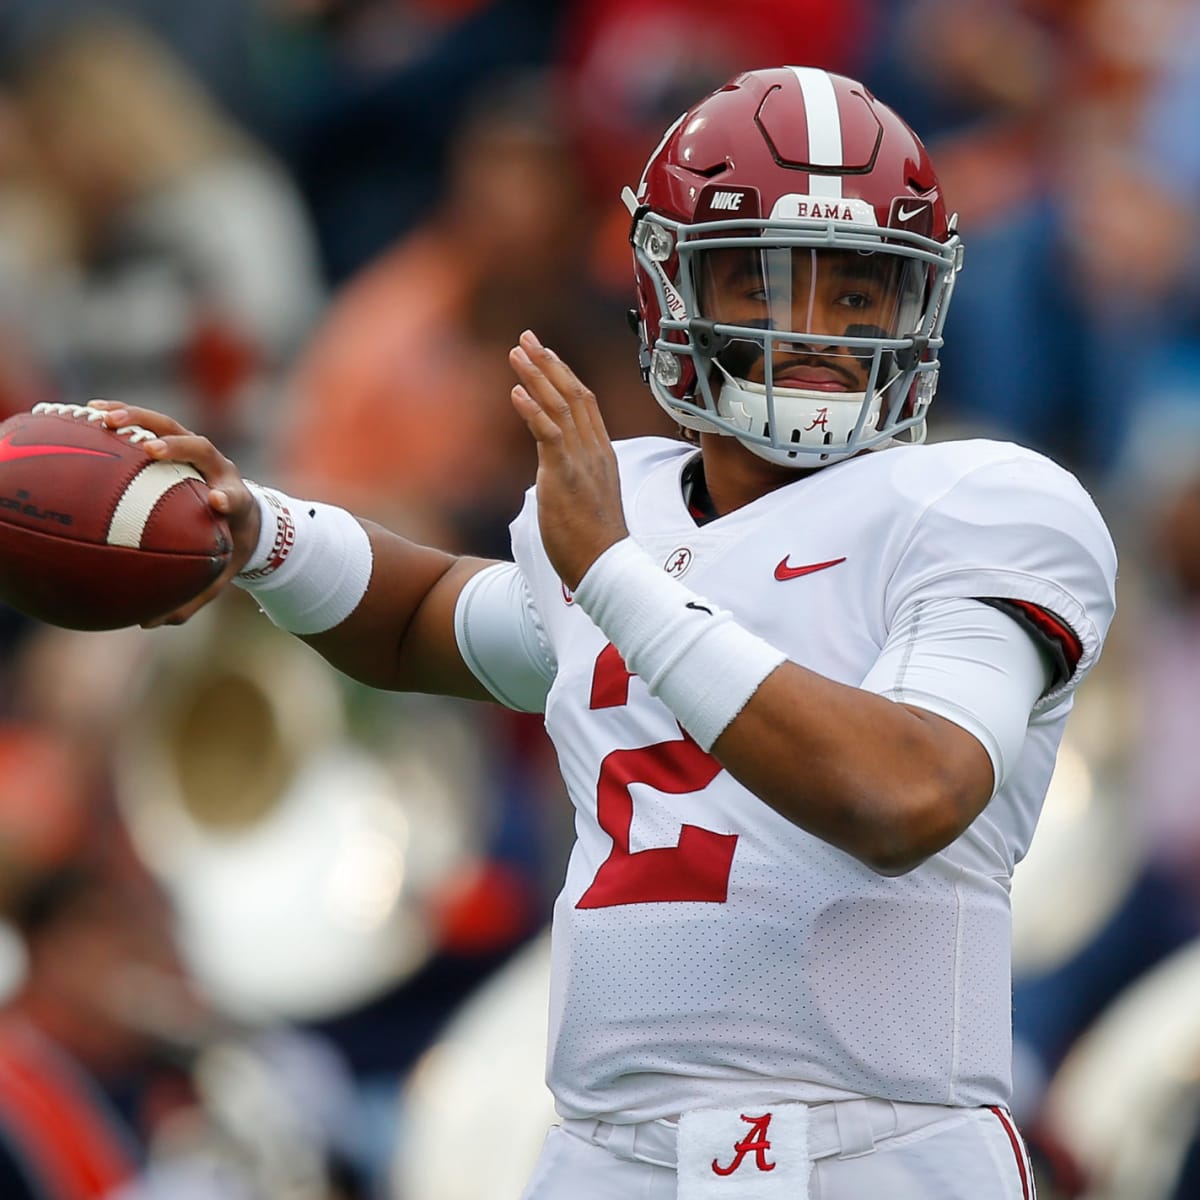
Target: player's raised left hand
pixel 579 493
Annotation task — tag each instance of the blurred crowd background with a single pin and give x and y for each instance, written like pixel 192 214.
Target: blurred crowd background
pixel 269 936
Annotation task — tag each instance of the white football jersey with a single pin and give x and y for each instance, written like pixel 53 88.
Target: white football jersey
pixel 706 951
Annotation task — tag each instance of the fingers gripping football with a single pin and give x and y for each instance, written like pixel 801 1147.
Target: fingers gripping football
pixel 228 494
pixel 578 488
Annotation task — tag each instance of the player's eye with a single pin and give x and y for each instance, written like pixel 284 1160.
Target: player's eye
pixel 856 300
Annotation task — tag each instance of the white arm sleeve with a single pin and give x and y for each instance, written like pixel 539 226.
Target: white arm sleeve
pixel 970 663
pixel 502 640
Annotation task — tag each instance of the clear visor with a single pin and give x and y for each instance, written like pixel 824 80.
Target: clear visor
pixel 821 313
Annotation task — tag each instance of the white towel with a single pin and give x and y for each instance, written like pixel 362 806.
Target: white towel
pixel 744 1153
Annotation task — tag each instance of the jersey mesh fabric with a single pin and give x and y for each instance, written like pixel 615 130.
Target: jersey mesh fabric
pixel 707 951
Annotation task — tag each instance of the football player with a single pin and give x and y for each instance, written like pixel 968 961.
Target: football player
pixel 806 676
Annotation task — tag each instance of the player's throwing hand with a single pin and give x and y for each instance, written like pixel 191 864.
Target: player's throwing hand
pixel 228 493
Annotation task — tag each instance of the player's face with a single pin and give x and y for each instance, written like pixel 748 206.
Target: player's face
pixel 827 295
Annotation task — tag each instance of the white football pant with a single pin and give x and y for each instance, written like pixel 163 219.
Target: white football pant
pixel 859 1150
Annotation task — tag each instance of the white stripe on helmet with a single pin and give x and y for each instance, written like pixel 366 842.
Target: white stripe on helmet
pixel 824 129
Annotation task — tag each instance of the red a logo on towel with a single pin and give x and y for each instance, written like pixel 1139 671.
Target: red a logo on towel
pixel 756 1141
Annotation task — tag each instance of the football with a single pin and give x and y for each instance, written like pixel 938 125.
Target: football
pixel 94 533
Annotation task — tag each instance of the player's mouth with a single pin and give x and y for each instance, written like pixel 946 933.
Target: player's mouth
pixel 814 379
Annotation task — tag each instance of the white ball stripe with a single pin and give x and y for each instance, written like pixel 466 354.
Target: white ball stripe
pixel 824 129
pixel 145 490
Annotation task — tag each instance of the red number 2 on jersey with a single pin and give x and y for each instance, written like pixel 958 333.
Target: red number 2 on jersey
pixel 697 867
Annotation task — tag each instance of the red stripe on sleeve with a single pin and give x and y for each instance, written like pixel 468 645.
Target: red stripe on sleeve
pixel 1053 628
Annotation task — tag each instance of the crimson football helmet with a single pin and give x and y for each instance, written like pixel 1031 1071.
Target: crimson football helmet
pixel 794 264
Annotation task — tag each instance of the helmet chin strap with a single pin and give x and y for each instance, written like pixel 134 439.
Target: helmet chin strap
pixel 743 403
pixel 798 420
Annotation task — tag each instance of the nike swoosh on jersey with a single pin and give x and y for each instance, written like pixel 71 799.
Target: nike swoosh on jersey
pixel 10 452
pixel 784 571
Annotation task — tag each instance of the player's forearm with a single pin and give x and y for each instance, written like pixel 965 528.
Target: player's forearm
pixel 889 784
pixel 400 637
pixel 376 605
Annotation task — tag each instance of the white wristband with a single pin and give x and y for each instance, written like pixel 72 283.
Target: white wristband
pixel 311 566
pixel 693 656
